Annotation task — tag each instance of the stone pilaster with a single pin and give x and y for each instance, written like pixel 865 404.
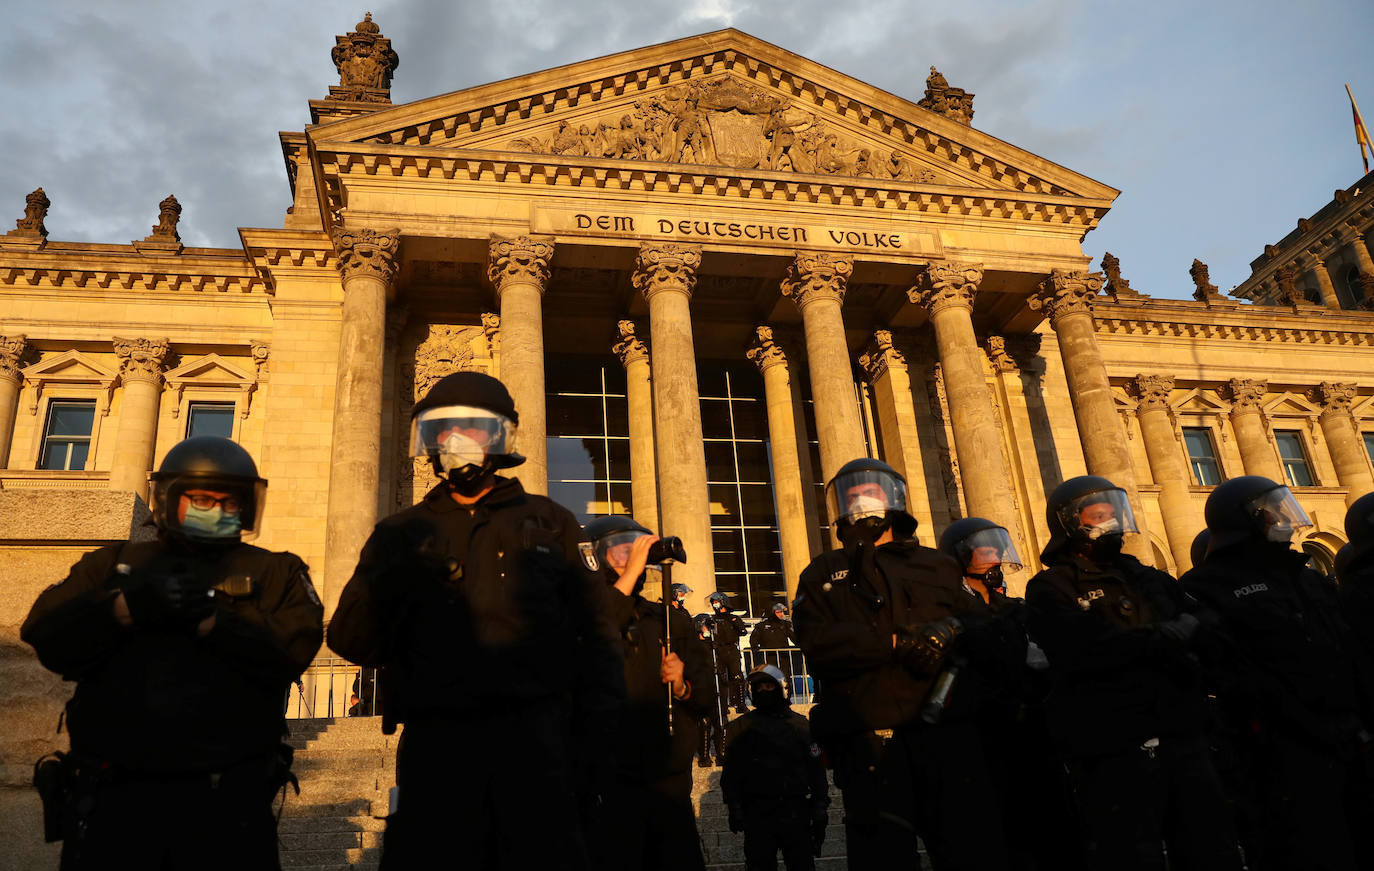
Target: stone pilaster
pixel 519 270
pixel 639 395
pixel 12 350
pixel 1343 438
pixel 791 491
pixel 666 274
pixel 1325 287
pixel 947 291
pixel 1359 251
pixel 1166 463
pixel 817 284
pixel 1067 298
pixel 1257 454
pixel 367 262
pixel 890 386
pixel 141 362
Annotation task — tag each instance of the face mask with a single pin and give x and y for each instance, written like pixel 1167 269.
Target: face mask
pixel 768 700
pixel 211 522
pixel 1107 547
pixel 992 578
pixel 458 451
pixel 867 506
pixel 1279 534
pixel 1106 527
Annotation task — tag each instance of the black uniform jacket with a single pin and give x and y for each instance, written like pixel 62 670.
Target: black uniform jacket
pixel 1283 656
pixel 729 628
pixel 845 624
pixel 993 683
pixel 772 634
pixel 1357 602
pixel 770 755
pixel 164 701
pixel 1116 680
pixel 516 617
pixel 644 750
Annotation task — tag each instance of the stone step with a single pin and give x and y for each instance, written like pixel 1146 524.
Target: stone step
pixel 334 858
pixel 307 825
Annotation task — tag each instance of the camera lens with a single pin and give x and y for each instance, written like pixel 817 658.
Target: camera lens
pixel 667 549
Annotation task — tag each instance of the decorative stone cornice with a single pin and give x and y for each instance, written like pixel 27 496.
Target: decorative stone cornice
pixel 629 347
pixel 812 276
pixel 368 253
pixel 365 61
pixel 881 356
pixel 943 285
pixel 998 355
pixel 35 212
pixel 1151 392
pixel 1245 394
pixel 955 104
pixel 1067 292
pixel 12 350
pixel 519 260
pixel 1334 397
pixel 666 266
pixel 764 350
pixel 141 359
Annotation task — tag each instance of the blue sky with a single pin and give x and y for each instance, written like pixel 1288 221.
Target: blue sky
pixel 1221 123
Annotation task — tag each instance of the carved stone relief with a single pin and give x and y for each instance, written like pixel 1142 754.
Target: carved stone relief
pixel 440 349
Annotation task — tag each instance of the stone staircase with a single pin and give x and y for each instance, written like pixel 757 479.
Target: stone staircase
pixel 347 767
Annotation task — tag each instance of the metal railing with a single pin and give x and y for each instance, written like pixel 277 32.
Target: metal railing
pixel 792 663
pixel 333 688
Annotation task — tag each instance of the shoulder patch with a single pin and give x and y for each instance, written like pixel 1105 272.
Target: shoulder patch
pixel 588 552
pixel 303 578
pixel 839 574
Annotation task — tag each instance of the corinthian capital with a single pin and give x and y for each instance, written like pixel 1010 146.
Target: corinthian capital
pixel 629 348
pixel 947 284
pixel 1151 391
pixel 519 260
pixel 1334 397
pixel 1066 292
pixel 661 266
pixel 881 355
pixel 765 351
pixel 1245 394
pixel 141 359
pixel 368 253
pixel 812 276
pixel 11 351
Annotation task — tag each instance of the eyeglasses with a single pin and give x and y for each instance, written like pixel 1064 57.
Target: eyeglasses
pixel 205 502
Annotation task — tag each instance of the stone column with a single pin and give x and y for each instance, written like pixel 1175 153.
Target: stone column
pixel 1325 287
pixel 519 269
pixel 140 372
pixel 886 370
pixel 11 381
pixel 665 273
pixel 1067 298
pixel 946 291
pixel 817 284
pixel 1166 464
pixel 1257 453
pixel 367 261
pixel 634 356
pixel 790 491
pixel 1343 439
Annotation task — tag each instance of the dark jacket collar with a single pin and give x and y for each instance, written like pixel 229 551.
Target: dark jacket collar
pixel 506 491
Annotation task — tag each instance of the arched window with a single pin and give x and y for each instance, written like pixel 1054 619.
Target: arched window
pixel 1354 294
pixel 1318 557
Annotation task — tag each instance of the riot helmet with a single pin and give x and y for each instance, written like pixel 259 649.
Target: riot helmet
pixel 1341 568
pixel 1359 525
pixel 207 490
pixel 983 549
pixel 770 698
pixel 720 603
pixel 611 538
pixel 466 426
pixel 1252 508
pixel 1197 552
pixel 704 623
pixel 681 592
pixel 779 610
pixel 1090 511
pixel 866 494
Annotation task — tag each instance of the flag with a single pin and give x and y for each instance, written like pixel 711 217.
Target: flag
pixel 1361 131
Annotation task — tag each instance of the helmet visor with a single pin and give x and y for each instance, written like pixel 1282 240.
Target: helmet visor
pixel 461 435
pixel 614 550
pixel 867 493
pixel 1099 513
pixel 1279 509
pixel 209 507
pixel 987 548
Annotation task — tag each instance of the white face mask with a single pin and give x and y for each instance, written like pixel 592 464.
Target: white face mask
pixel 1279 534
pixel 866 506
pixel 1106 527
pixel 458 451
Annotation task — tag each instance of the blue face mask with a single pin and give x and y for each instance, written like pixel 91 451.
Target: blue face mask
pixel 211 522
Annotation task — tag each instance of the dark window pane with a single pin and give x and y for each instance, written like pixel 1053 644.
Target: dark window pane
pixel 761 546
pixel 621 501
pixel 753 461
pixel 757 505
pixel 1369 445
pixel 733 586
pixel 210 419
pixel 576 374
pixel 1295 465
pixel 55 456
pixel 574 415
pixel 720 461
pixel 729 549
pixel 71 418
pixel 619 451
pixel 67 436
pixel 580 499
pixel 751 418
pixel 715 419
pixel 1202 456
pixel 569 459
pixel 724 505
pixel 764 590
pixel 617 416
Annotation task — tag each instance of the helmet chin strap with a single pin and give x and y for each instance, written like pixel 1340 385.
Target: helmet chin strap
pixel 992 578
pixel 466 480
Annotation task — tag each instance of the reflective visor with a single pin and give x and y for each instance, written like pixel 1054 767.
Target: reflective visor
pixel 1279 508
pixel 854 496
pixel 1101 512
pixel 989 547
pixel 614 549
pixel 461 430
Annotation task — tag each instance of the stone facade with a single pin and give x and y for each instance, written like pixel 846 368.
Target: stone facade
pixel 905 285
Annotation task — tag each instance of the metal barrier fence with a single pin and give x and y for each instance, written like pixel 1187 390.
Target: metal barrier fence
pixel 792 663
pixel 333 688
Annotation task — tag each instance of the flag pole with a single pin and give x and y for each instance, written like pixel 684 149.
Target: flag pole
pixel 1361 131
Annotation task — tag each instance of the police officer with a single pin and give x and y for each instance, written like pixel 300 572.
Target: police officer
pixel 1355 571
pixel 647 821
pixel 774 783
pixel 490 628
pixel 713 724
pixel 679 598
pixel 771 638
pixel 1126 710
pixel 1288 680
pixel 878 621
pixel 729 630
pixel 182 650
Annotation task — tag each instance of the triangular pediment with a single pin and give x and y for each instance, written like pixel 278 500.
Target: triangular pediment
pixel 210 369
pixel 69 367
pixel 725 100
pixel 1291 404
pixel 1197 401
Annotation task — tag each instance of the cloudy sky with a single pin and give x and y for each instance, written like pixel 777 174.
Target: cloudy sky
pixel 1222 123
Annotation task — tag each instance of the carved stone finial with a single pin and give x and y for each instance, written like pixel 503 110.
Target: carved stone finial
pixel 881 355
pixel 168 214
pixel 1287 279
pixel 1151 391
pixel 368 252
pixel 1067 292
pixel 1204 289
pixel 519 260
pixel 954 103
pixel 365 61
pixel 1115 284
pixel 998 355
pixel 666 266
pixel 812 276
pixel 947 284
pixel 35 212
pixel 764 350
pixel 141 359
pixel 629 347
pixel 1334 397
pixel 12 350
pixel 1245 394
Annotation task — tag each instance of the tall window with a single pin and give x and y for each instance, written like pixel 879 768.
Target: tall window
pixel 1294 458
pixel 1202 456
pixel 67 435
pixel 1369 445
pixel 588 436
pixel 210 418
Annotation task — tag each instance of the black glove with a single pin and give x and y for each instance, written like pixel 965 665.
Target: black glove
pixel 1180 629
pixel 924 648
pixel 736 814
pixel 164 594
pixel 819 820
